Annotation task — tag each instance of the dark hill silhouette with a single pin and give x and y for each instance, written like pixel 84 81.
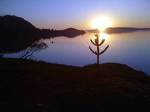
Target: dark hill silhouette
pixel 37 86
pixel 17 34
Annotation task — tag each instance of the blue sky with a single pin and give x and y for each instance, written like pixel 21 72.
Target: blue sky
pixel 78 13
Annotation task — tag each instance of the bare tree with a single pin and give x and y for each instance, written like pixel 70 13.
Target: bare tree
pixel 33 48
pixel 98 44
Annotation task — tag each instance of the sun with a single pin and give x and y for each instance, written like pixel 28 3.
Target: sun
pixel 101 23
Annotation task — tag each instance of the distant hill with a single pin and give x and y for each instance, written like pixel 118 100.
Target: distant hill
pixel 30 85
pixel 125 29
pixel 17 34
pixel 72 32
pixel 119 30
pixel 93 31
pixel 69 32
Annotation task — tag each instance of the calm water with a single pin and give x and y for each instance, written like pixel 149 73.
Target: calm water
pixel 132 49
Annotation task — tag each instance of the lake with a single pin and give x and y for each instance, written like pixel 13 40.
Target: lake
pixel 132 49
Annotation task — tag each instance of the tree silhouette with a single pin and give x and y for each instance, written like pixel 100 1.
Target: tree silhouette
pixel 33 48
pixel 98 44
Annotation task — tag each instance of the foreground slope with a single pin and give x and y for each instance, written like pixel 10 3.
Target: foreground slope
pixel 37 86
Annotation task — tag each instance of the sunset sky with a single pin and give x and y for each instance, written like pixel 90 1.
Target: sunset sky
pixel 61 14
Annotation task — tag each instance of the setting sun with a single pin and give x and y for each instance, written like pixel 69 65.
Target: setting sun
pixel 101 23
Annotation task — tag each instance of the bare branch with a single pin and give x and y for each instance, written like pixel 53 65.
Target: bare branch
pixel 33 48
pixel 103 40
pixel 93 51
pixel 104 50
pixel 92 42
